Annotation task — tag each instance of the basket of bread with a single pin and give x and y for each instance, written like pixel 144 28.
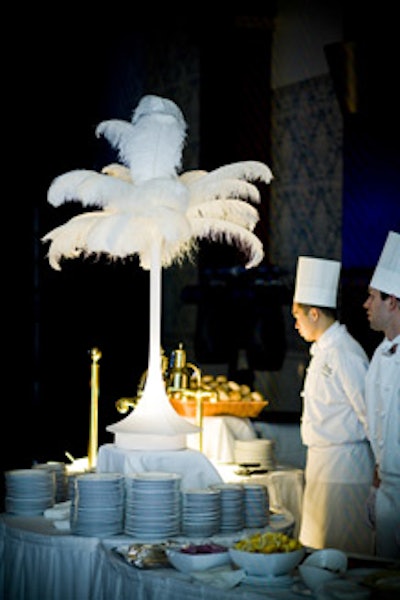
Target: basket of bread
pixel 218 396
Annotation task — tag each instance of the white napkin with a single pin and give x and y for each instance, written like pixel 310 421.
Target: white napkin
pixel 223 578
pixel 59 511
pixel 64 525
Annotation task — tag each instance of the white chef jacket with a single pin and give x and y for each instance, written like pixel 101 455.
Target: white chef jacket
pixel 383 413
pixel 339 466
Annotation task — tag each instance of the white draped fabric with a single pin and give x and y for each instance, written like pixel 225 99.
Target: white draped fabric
pixel 195 468
pixel 219 435
pixel 39 562
pixel 37 565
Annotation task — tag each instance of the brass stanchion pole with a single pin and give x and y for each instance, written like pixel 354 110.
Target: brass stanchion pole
pixel 199 417
pixel 94 403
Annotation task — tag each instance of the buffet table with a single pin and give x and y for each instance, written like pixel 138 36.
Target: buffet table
pixel 40 562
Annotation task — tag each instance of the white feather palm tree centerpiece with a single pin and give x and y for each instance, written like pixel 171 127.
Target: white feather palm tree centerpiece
pixel 146 208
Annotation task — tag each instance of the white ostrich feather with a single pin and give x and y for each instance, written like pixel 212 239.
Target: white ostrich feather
pixel 189 177
pixel 152 145
pixel 205 189
pixel 250 170
pixel 117 170
pixel 69 240
pixel 118 236
pixel 162 191
pixel 234 211
pixel 89 188
pixel 218 230
pixel 155 105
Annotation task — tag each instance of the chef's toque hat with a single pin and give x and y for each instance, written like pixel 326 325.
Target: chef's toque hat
pixel 317 281
pixel 386 277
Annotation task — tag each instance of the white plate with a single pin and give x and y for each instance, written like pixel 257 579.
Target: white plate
pixel 104 477
pixel 155 476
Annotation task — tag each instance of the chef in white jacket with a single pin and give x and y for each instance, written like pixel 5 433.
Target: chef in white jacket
pixel 383 396
pixel 339 464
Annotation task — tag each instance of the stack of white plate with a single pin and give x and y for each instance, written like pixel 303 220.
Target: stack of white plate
pixel 259 451
pixel 201 512
pixel 256 505
pixel 28 491
pixel 98 505
pixel 232 506
pixel 60 478
pixel 153 505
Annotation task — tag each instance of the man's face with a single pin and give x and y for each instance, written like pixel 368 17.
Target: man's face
pixel 377 310
pixel 304 322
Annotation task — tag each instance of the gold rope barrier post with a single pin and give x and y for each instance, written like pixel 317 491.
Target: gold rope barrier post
pixel 199 417
pixel 94 403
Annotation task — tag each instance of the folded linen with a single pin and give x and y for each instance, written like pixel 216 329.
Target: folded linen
pixel 64 525
pixel 59 511
pixel 224 578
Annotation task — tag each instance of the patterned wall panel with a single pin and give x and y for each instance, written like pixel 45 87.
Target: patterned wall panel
pixel 306 194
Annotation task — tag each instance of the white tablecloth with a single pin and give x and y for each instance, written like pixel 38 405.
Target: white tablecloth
pixel 219 435
pixel 196 469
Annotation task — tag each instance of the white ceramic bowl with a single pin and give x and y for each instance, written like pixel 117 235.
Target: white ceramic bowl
pixel 322 566
pixel 274 564
pixel 185 562
pixel 315 577
pixel 329 559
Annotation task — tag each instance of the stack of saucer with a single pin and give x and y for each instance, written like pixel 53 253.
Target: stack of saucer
pixel 259 451
pixel 28 491
pixel 153 505
pixel 232 506
pixel 256 505
pixel 98 505
pixel 201 512
pixel 60 478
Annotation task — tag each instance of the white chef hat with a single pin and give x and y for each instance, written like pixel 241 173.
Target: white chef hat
pixel 317 281
pixel 386 277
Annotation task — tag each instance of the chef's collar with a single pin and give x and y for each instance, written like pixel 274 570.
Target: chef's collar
pixel 326 338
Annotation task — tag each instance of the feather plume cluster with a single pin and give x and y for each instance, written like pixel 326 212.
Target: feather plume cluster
pixel 145 196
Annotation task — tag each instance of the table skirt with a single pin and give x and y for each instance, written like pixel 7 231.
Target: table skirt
pixel 40 562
